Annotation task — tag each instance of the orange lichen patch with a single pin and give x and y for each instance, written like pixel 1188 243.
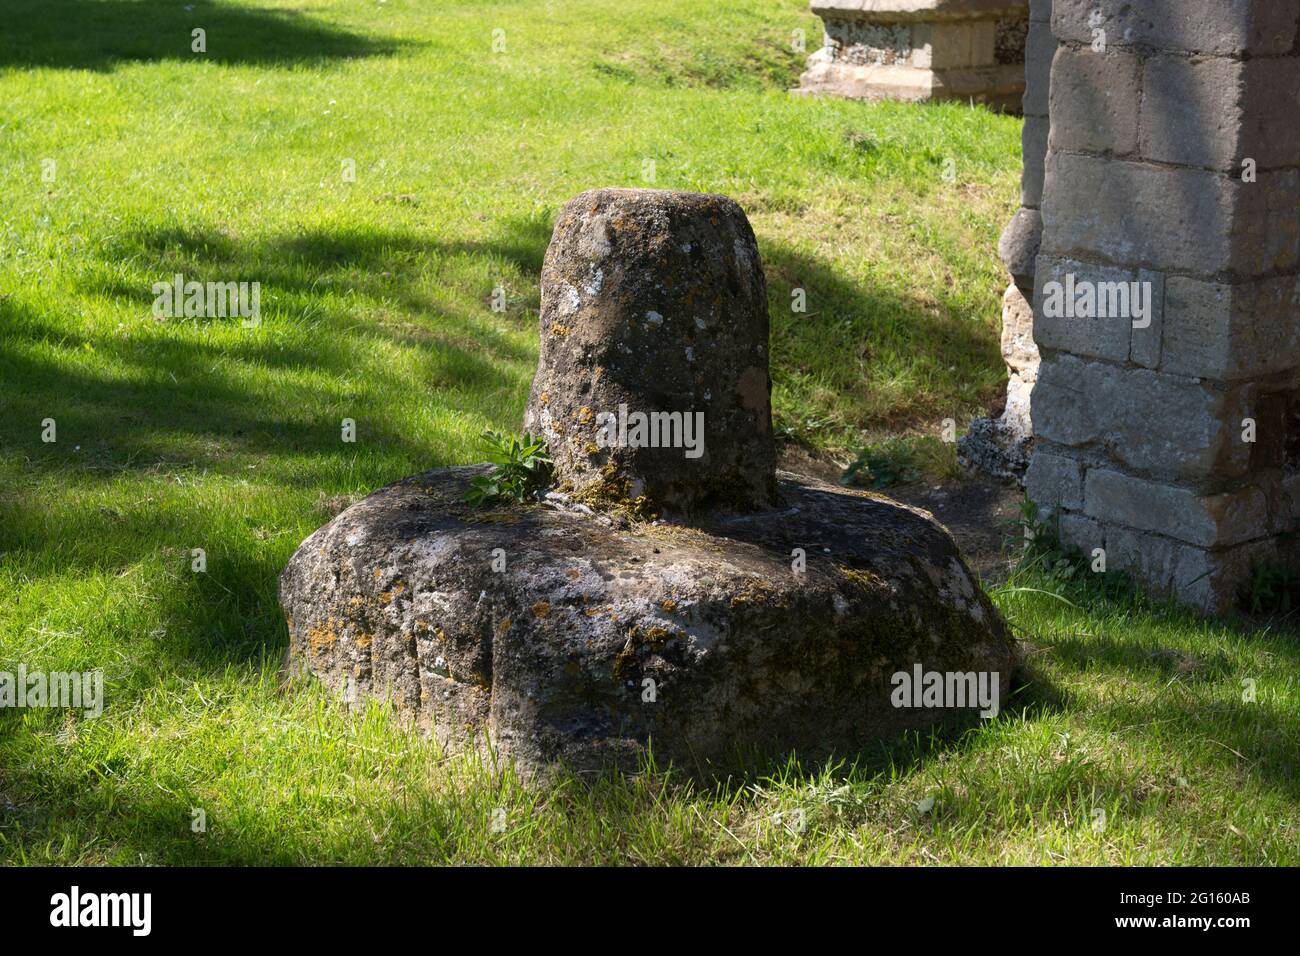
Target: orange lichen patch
pixel 365 640
pixel 378 574
pixel 559 328
pixel 754 592
pixel 386 597
pixel 584 414
pixel 592 449
pixel 503 626
pixel 573 574
pixel 669 606
pixel 543 397
pixel 600 370
pixel 654 636
pixel 356 600
pixel 541 609
pixel 321 639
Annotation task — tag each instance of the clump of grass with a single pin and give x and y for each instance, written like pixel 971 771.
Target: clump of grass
pixel 900 459
pixel 881 464
pixel 1272 588
pixel 1059 569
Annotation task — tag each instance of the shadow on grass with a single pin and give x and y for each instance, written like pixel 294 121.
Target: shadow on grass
pixel 100 34
pixel 172 389
pixel 861 325
pixel 1190 708
pixel 171 405
pixel 381 265
pixel 342 291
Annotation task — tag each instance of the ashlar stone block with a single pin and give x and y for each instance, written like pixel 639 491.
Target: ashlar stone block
pixel 1223 27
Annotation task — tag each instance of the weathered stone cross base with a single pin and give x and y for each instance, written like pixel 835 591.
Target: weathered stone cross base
pixel 770 615
pixel 594 645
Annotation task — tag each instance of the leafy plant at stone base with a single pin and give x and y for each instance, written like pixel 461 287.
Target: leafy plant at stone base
pixel 881 464
pixel 1061 569
pixel 523 470
pixel 1042 545
pixel 1272 588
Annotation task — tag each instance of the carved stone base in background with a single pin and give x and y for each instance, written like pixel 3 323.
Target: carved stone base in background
pixel 919 50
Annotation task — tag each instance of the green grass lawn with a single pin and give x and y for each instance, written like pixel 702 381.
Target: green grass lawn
pixel 125 158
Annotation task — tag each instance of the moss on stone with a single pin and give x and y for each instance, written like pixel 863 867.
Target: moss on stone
pixel 611 494
pixel 511 515
pixel 862 577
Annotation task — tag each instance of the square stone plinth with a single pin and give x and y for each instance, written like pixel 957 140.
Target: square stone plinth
pixel 921 50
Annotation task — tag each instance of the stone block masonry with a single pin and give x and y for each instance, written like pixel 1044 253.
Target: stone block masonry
pixel 1172 169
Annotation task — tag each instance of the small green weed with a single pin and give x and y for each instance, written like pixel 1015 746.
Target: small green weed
pixel 1273 588
pixel 523 470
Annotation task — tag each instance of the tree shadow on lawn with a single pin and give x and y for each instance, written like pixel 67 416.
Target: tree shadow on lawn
pixel 1267 739
pixel 158 406
pixel 875 325
pixel 166 385
pixel 164 389
pixel 380 265
pixel 101 34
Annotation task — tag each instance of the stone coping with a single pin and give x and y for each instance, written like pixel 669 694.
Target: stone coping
pixel 890 11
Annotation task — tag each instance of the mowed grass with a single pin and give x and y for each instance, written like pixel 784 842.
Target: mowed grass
pixel 376 306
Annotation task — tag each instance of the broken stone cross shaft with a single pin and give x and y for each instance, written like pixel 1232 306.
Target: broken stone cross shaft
pixel 653 386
